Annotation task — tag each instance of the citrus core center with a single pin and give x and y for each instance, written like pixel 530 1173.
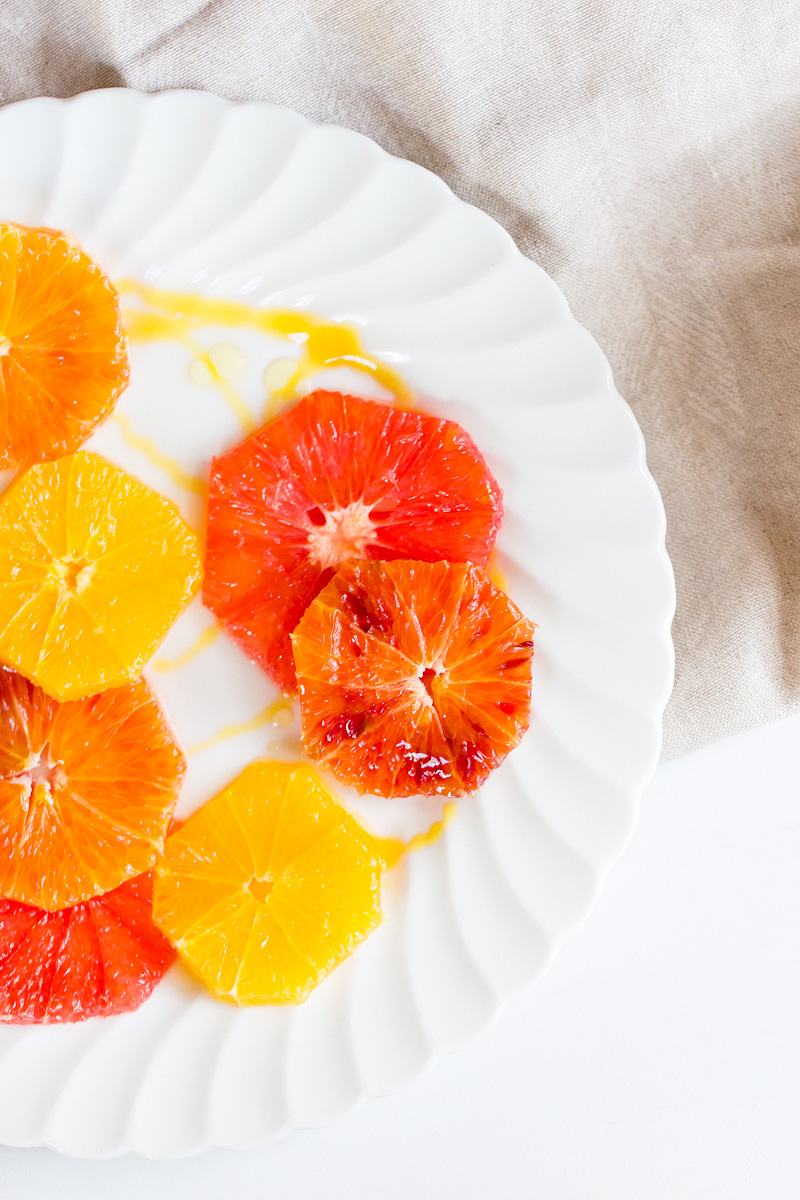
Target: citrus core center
pixel 340 534
pixel 40 770
pixel 427 677
pixel 73 574
pixel 260 889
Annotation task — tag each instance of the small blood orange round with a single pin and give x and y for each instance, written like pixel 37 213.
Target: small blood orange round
pixel 101 957
pixel 336 477
pixel 414 677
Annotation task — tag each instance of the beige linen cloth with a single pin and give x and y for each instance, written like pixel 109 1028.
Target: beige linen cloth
pixel 647 154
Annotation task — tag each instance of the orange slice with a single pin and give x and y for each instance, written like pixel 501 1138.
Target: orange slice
pixel 336 477
pixel 268 887
pixel 63 361
pixel 414 677
pixel 101 957
pixel 86 791
pixel 94 569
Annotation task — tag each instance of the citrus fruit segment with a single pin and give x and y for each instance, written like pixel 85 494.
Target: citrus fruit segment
pixel 94 569
pixel 101 957
pixel 413 677
pixel 63 360
pixel 334 478
pixel 269 886
pixel 86 790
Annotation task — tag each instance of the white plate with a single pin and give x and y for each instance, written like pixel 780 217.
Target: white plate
pixel 252 201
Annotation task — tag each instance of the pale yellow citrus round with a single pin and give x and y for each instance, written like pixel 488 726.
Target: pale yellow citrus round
pixel 94 569
pixel 269 886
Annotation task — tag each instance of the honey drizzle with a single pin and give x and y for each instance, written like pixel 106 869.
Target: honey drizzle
pixel 223 385
pixel 274 714
pixel 391 850
pixel 148 448
pixel 323 345
pixel 206 639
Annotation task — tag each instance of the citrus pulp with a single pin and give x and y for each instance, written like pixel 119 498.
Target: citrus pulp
pixel 101 957
pixel 336 477
pixel 87 788
pixel 269 886
pixel 94 568
pixel 63 361
pixel 413 677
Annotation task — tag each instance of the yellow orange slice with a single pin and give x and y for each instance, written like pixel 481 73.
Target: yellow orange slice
pixel 269 886
pixel 94 569
pixel 63 360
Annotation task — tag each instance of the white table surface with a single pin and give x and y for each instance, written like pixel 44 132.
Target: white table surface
pixel 659 1058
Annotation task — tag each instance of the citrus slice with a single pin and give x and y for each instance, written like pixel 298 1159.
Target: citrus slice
pixel 414 677
pixel 269 886
pixel 94 568
pixel 334 478
pixel 63 360
pixel 86 790
pixel 101 957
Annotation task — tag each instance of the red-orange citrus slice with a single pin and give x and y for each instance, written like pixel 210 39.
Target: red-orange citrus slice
pixel 414 677
pixel 269 886
pixel 63 361
pixel 86 791
pixel 101 957
pixel 94 569
pixel 334 478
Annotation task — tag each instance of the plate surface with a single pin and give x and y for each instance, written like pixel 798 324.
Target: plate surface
pixel 253 202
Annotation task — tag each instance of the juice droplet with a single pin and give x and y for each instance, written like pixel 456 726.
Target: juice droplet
pixel 227 361
pixel 279 373
pixel 283 715
pixel 200 372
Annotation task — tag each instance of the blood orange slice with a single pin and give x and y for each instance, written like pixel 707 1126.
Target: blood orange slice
pixel 101 957
pixel 413 677
pixel 63 360
pixel 86 791
pixel 335 478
